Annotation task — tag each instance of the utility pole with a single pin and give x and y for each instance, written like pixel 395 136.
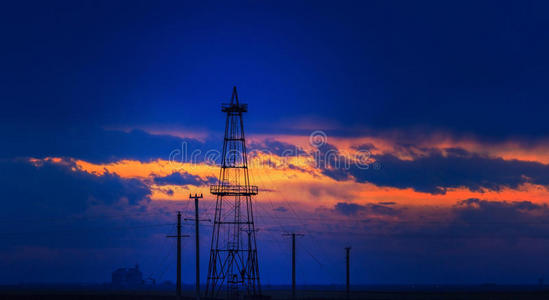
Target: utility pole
pixel 178 236
pixel 293 235
pixel 347 254
pixel 197 240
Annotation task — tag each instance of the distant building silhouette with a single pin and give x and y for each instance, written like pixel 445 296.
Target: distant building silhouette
pixel 127 277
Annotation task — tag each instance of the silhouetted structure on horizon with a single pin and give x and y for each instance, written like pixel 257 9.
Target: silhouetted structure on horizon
pixel 233 269
pixel 127 277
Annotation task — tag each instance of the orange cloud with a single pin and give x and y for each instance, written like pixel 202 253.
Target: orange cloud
pixel 296 179
pixel 308 186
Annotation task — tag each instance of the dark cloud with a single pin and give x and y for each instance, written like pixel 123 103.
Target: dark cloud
pixel 470 241
pixel 473 219
pixel 63 207
pixel 458 152
pixel 469 219
pixel 184 178
pixel 271 146
pixel 99 145
pixel 61 189
pixel 512 220
pixel 55 217
pixel 332 163
pixel 301 169
pixel 281 209
pixel 351 209
pixel 363 147
pixel 433 172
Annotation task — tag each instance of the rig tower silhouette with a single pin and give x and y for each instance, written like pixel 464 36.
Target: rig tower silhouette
pixel 233 271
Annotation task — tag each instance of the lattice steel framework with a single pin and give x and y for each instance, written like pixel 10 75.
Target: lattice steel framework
pixel 233 271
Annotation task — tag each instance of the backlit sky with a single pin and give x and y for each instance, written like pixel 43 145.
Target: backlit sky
pixel 430 156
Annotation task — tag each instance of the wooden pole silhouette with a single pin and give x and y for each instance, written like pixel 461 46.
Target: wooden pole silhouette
pixel 197 240
pixel 293 235
pixel 178 236
pixel 348 286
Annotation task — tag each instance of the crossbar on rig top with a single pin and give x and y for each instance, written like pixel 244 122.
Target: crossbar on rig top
pixel 234 107
pixel 233 190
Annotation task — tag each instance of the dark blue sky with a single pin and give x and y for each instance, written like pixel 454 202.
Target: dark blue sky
pixel 468 67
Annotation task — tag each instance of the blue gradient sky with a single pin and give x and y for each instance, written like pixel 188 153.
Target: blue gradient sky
pixel 368 64
pixel 450 98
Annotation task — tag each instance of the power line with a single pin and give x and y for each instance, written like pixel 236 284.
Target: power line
pixel 80 230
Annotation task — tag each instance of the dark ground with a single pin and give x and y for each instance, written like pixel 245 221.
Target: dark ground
pixel 407 293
